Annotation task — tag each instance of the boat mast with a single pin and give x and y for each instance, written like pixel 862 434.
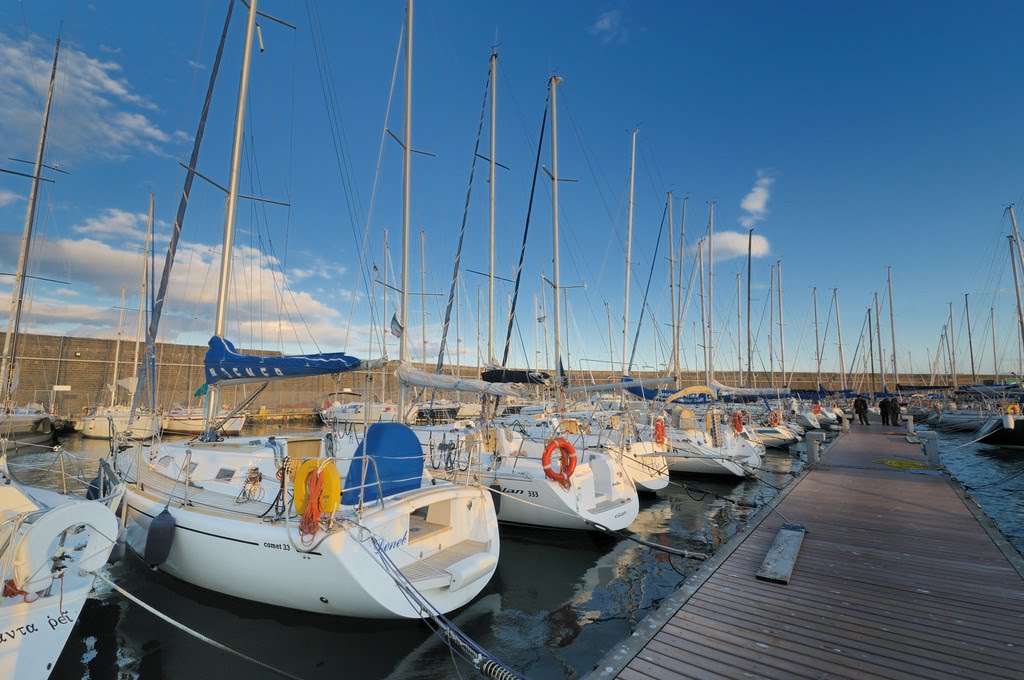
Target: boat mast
pixel 839 332
pixel 423 293
pixel 952 346
pixel 739 325
pixel 679 293
pixel 711 295
pixel 995 357
pixel 18 295
pixel 384 320
pixel 970 340
pixel 490 271
pixel 556 309
pixel 878 334
pixel 403 353
pixel 117 350
pixel 629 249
pixel 782 330
pixel 232 207
pixel 892 331
pixel 871 351
pixel 703 315
pixel 771 323
pixel 142 295
pixel 750 351
pixel 1016 288
pixel 674 354
pixel 817 342
pixel 1016 236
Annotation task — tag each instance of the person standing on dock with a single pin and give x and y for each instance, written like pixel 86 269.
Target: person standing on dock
pixel 894 411
pixel 860 407
pixel 883 410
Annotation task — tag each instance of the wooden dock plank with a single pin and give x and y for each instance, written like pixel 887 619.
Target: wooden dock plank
pixel 897 578
pixel 879 630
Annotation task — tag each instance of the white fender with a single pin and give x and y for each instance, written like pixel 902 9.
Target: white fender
pixel 32 565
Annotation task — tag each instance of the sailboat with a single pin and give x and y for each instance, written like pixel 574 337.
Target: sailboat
pixel 51 545
pixel 305 521
pixel 542 478
pixel 114 419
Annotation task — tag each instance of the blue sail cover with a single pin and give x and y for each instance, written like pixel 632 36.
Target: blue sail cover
pixel 226 366
pixel 397 464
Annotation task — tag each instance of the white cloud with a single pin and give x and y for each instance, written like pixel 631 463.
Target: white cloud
pixel 196 65
pixel 8 197
pixel 755 203
pixel 265 306
pixel 116 223
pixel 730 244
pixel 107 49
pixel 608 28
pixel 101 114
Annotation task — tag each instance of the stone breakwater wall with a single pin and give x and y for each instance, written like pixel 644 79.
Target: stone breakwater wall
pixel 86 365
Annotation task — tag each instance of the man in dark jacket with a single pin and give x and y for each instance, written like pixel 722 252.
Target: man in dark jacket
pixel 894 411
pixel 860 407
pixel 883 410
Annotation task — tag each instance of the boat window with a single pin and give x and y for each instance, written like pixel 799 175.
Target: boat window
pixel 192 468
pixel 225 474
pixel 164 460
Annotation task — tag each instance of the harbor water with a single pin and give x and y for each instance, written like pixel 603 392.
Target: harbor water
pixel 558 601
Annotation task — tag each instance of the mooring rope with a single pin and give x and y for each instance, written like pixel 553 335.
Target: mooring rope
pixel 194 633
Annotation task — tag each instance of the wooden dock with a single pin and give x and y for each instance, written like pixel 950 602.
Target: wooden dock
pixel 899 576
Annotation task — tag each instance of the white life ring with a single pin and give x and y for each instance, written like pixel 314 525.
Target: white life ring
pixel 32 555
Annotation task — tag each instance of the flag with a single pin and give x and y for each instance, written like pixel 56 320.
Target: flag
pixel 396 327
pixel 203 389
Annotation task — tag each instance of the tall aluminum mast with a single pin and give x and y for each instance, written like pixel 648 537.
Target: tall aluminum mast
pixel 711 295
pixel 970 340
pixel 839 332
pixel 229 219
pixel 892 330
pixel 629 250
pixel 556 309
pixel 490 276
pixel 403 352
pixel 18 295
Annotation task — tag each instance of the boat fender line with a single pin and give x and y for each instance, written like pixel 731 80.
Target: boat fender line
pixel 659 430
pixel 34 557
pixel 653 546
pixel 457 640
pixel 159 539
pixel 568 452
pixel 194 633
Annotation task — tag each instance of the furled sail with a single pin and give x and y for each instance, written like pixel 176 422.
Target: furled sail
pixel 439 381
pixel 226 366
pixel 726 391
pixel 511 375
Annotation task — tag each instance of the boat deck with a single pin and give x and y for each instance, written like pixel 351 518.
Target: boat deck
pixel 899 576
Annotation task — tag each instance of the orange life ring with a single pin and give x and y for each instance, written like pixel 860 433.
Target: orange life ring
pixel 775 417
pixel 737 421
pixel 568 460
pixel 816 409
pixel 659 430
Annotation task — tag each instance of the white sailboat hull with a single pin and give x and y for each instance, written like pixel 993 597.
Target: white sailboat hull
pixel 100 426
pixel 192 424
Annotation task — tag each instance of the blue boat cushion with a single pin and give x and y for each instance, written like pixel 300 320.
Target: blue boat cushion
pixel 397 464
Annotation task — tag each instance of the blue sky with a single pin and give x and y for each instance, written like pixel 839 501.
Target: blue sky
pixel 850 137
